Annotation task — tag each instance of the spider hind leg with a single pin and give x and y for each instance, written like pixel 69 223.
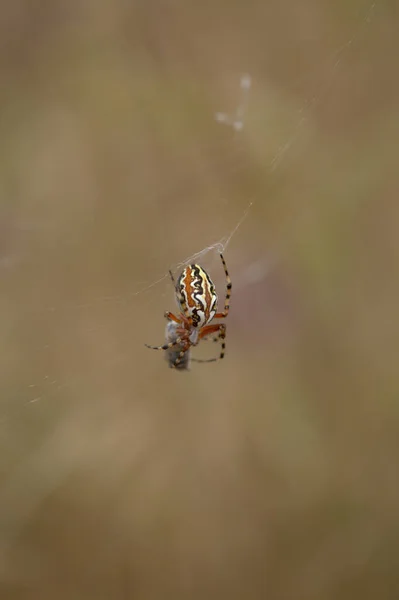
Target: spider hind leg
pixel 220 329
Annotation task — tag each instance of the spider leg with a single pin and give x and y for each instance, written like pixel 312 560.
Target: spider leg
pixel 225 312
pixel 220 328
pixel 209 339
pixel 172 278
pixel 179 358
pixel 175 342
pixel 171 317
pixel 180 298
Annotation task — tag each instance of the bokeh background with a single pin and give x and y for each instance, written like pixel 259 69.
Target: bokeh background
pixel 271 474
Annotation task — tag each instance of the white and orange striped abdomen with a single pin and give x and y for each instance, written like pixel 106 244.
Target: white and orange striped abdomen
pixel 195 292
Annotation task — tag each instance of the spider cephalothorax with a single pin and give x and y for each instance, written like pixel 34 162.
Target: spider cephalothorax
pixel 197 300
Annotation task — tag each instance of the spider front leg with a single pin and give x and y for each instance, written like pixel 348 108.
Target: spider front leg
pixel 176 337
pixel 225 312
pixel 171 317
pixel 181 361
pixel 180 298
pixel 176 342
pixel 209 339
pixel 220 329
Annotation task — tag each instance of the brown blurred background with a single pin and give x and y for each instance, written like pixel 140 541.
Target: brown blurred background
pixel 274 473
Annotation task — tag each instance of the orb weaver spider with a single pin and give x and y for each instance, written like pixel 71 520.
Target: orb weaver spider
pixel 197 299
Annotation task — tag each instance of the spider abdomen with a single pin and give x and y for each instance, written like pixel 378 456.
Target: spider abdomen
pixel 196 290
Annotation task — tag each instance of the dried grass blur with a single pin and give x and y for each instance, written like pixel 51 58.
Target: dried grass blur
pixel 273 474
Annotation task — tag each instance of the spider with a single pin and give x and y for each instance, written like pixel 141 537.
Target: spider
pixel 197 300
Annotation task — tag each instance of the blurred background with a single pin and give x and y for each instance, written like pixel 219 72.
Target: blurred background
pixel 270 474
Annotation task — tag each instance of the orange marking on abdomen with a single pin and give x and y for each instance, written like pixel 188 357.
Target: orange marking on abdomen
pixel 186 285
pixel 208 298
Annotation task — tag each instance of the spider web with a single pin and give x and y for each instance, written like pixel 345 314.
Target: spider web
pixel 237 120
